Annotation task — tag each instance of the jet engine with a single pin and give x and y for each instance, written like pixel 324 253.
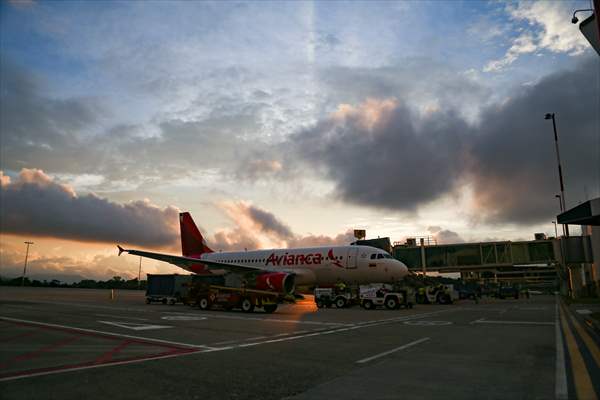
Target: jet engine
pixel 276 281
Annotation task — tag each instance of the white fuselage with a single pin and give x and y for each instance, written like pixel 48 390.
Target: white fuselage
pixel 319 266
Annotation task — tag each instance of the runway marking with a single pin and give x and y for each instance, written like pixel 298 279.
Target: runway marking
pixel 135 326
pixel 344 329
pixel 589 342
pixel 560 388
pixel 183 318
pixel 584 312
pixel 288 321
pixel 583 383
pixel 121 317
pixel 97 332
pixel 428 323
pixel 107 356
pixel 488 321
pixel 385 353
pixel 52 371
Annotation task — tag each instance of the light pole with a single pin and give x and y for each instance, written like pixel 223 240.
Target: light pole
pixel 555 229
pixel 140 273
pixel 25 266
pixel 560 207
pixel 560 177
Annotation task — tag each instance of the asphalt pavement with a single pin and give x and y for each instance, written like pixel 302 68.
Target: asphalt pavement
pixel 78 343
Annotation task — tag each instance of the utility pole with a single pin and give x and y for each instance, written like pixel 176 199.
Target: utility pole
pixel 560 176
pixel 25 266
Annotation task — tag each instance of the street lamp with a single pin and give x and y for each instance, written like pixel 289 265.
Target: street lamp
pixel 560 177
pixel 25 266
pixel 575 20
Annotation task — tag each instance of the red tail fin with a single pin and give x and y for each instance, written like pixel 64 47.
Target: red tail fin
pixel 192 242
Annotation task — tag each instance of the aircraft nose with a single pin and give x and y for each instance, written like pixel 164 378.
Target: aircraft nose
pixel 402 269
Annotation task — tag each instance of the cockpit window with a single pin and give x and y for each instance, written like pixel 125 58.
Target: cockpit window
pixel 387 256
pixel 379 256
pixel 373 256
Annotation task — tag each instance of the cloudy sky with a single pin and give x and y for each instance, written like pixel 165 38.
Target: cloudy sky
pixel 285 124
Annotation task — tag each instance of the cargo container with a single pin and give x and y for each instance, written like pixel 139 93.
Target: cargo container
pixel 168 288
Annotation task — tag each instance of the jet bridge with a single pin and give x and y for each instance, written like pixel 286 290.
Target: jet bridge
pixel 484 256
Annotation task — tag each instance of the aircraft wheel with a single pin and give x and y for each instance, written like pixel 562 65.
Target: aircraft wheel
pixel 204 303
pixel 247 305
pixel 391 303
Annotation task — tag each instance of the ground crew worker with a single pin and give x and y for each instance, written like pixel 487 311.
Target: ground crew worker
pixel 340 286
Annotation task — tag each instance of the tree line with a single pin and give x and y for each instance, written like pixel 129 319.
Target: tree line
pixel 116 282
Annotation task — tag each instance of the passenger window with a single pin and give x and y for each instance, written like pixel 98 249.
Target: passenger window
pixel 379 256
pixel 373 256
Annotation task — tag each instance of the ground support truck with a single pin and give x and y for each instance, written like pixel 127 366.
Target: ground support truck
pixel 207 292
pixel 441 294
pixel 327 297
pixel 373 296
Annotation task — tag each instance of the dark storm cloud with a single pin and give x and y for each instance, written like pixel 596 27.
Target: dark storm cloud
pixel 396 164
pixel 515 174
pixel 257 228
pixel 269 223
pixel 407 159
pixel 35 205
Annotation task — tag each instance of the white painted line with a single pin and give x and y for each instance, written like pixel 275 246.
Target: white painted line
pixel 560 388
pixel 583 312
pixel 428 323
pixel 121 317
pixel 195 346
pixel 183 318
pixel 226 342
pixel 487 321
pixel 278 320
pixel 135 326
pixel 60 371
pixel 344 329
pixel 385 353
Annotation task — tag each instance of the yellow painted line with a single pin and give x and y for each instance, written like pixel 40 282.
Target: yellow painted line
pixel 581 377
pixel 589 342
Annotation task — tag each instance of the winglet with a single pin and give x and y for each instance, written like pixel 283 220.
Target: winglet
pixel 121 249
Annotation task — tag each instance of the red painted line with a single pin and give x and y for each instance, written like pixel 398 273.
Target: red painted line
pixel 109 354
pixel 50 347
pixel 21 335
pixel 93 363
pixel 38 352
pixel 100 335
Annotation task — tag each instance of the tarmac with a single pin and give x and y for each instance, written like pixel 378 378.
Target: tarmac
pixel 62 343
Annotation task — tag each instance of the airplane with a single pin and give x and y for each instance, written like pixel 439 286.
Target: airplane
pixel 282 269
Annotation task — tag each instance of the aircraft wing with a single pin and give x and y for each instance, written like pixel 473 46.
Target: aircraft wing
pixel 188 262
